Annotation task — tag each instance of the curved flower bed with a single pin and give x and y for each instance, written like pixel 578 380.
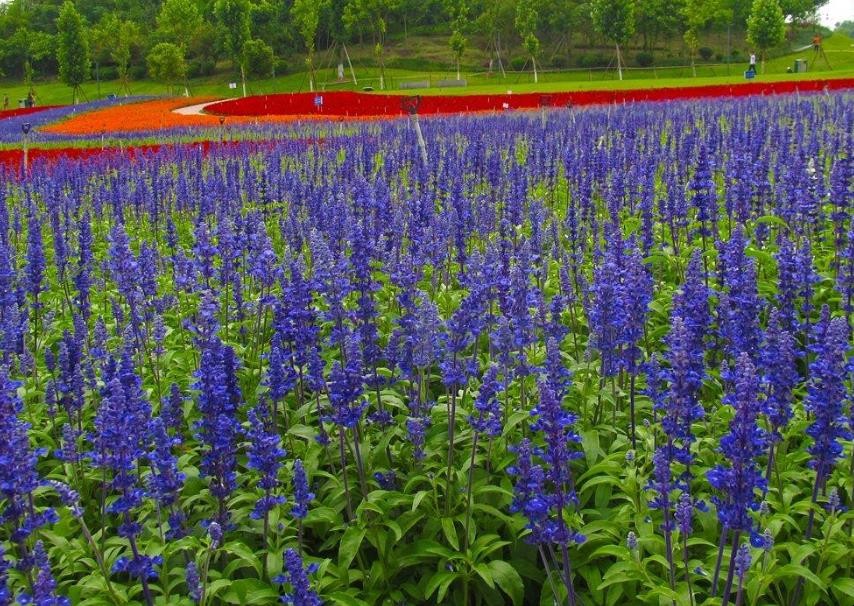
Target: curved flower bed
pixel 150 115
pixel 10 128
pixel 353 104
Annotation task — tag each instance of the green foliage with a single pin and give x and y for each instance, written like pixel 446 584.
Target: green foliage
pixel 166 63
pixel 179 22
pixel 458 11
pixel 614 19
pixel 526 25
pixel 72 48
pixel 117 38
pixel 645 59
pixel 658 18
pixel 766 26
pixel 233 20
pixel 306 17
pixel 260 59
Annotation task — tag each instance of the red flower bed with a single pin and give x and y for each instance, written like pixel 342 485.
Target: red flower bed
pixel 352 104
pixel 23 111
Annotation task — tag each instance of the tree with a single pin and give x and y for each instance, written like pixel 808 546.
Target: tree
pixel 458 10
pixel 696 14
pixel 179 22
pixel 846 28
pixel 259 59
pixel 801 11
pixel 560 21
pixel 373 15
pixel 766 26
pixel 494 21
pixel 614 19
pixel 526 25
pixel 655 18
pixel 72 48
pixel 306 17
pixel 166 64
pixel 233 18
pixel 117 38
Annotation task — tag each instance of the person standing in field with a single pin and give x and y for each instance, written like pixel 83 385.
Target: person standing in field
pixel 752 66
pixel 5 102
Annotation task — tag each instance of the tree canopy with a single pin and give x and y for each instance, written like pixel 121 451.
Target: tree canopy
pixel 72 48
pixel 118 35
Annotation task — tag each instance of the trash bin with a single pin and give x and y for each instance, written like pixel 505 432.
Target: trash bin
pixel 22 103
pixel 800 66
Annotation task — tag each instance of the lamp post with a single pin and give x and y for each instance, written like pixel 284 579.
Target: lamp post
pixel 25 128
pixel 410 105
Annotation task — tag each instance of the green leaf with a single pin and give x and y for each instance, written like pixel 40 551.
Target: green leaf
pixel 507 579
pixel 485 573
pixel 440 580
pixel 274 562
pixel 795 571
pixel 844 585
pixel 245 555
pixel 345 599
pixel 250 591
pixel 450 532
pixel 350 543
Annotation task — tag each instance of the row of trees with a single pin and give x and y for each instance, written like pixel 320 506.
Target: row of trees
pixel 617 21
pixel 171 38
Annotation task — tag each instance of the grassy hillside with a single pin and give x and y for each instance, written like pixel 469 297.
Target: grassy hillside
pixel 839 51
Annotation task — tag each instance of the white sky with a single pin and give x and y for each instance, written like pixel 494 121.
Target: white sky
pixel 836 11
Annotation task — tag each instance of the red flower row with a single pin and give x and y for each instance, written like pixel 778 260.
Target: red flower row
pixel 23 111
pixel 14 158
pixel 350 104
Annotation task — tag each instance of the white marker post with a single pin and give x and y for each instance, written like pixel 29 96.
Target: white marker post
pixel 25 128
pixel 410 105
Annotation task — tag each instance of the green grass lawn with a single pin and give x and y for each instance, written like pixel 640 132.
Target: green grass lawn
pixel 839 51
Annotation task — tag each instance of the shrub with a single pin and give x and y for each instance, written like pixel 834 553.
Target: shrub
pixel 645 59
pixel 105 72
pixel 137 72
pixel 259 59
pixel 705 53
pixel 560 61
pixel 518 63
pixel 592 60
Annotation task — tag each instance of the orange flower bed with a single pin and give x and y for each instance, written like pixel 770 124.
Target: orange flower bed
pixel 148 115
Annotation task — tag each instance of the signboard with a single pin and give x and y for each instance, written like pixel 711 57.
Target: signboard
pixel 318 101
pixel 232 85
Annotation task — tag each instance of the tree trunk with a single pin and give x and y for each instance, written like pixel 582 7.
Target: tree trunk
pixel 534 63
pixel 243 78
pixel 619 63
pixel 310 62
